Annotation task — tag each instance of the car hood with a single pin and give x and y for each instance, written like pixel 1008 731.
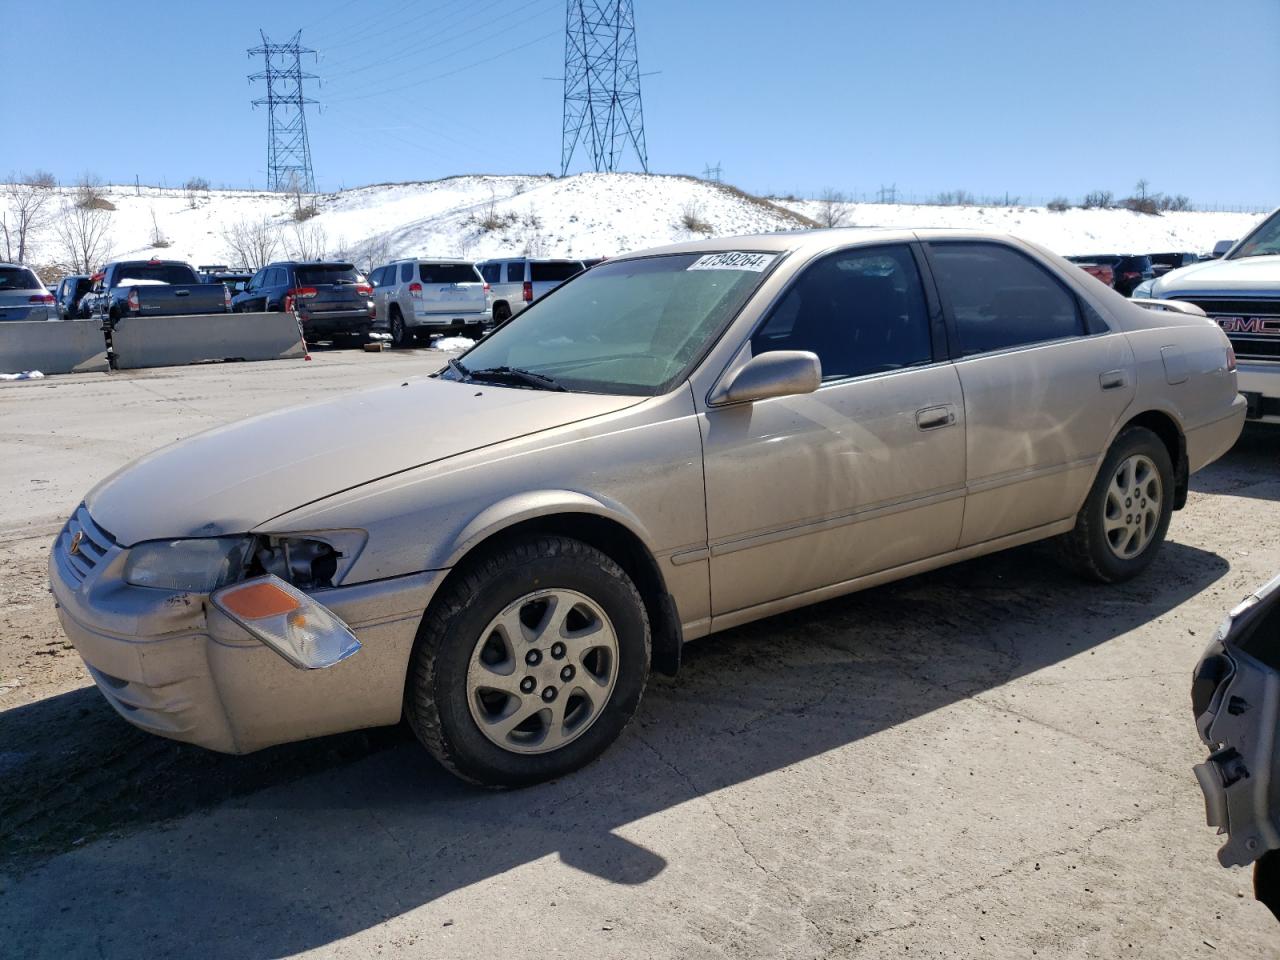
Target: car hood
pixel 233 478
pixel 1249 275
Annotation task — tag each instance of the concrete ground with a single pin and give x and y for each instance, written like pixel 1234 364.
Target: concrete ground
pixel 993 760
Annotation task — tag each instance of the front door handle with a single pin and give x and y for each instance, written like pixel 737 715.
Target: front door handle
pixel 1112 380
pixel 934 418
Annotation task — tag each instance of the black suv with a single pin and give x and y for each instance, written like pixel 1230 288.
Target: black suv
pixel 331 298
pixel 1164 262
pixel 68 294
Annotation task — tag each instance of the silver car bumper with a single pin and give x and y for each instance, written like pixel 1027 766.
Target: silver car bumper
pixel 1259 380
pixel 171 664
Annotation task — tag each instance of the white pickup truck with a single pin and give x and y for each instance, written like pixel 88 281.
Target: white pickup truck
pixel 1241 292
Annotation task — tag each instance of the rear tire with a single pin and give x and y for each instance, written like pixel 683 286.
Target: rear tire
pixel 529 664
pixel 501 313
pixel 400 335
pixel 1124 519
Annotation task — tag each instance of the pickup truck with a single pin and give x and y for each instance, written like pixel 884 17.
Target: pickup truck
pixel 1241 293
pixel 153 288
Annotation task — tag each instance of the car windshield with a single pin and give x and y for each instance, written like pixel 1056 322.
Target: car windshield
pixel 1263 241
pixel 627 326
pixel 17 278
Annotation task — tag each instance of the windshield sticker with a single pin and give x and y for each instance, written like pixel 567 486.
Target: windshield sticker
pixel 754 262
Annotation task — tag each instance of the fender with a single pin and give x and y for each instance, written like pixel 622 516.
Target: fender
pixel 529 506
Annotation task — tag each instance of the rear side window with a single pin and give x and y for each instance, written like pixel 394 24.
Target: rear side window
pixel 553 272
pixel 861 311
pixel 492 272
pixel 406 272
pixel 447 273
pixel 311 275
pixel 1000 298
pixel 515 272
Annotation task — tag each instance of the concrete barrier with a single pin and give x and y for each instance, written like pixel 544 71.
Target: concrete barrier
pixel 173 341
pixel 52 346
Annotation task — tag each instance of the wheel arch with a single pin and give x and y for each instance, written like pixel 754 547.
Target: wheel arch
pixel 607 527
pixel 1165 426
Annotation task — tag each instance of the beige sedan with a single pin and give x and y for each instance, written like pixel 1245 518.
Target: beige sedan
pixel 673 443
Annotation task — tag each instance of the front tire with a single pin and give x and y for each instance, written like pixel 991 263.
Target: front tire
pixel 1124 519
pixel 529 664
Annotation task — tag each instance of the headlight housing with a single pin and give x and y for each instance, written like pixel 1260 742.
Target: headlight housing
pixel 1143 290
pixel 198 565
pixel 307 561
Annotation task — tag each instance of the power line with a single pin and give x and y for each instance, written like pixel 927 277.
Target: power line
pixel 288 147
pixel 602 104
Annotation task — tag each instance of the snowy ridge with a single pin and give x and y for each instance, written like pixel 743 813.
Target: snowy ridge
pixel 581 216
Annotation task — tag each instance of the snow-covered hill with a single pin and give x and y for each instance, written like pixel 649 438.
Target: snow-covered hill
pixel 581 216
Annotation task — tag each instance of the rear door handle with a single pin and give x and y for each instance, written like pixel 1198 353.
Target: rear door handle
pixel 1112 380
pixel 934 418
pixel 182 293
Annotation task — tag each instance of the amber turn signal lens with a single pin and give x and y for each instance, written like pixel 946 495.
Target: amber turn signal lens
pixel 256 601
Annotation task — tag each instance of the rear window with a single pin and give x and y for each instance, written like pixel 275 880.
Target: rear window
pixel 320 273
pixel 17 278
pixel 553 272
pixel 447 273
pixel 144 274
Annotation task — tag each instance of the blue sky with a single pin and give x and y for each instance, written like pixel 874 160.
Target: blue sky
pixel 1034 98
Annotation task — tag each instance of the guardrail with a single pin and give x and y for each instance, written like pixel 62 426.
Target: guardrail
pixel 84 346
pixel 50 346
pixel 172 341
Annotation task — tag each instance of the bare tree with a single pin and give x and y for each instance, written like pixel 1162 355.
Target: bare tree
pixel 251 243
pixel 306 242
pixel 831 212
pixel 27 197
pixel 158 239
pixel 89 192
pixel 84 232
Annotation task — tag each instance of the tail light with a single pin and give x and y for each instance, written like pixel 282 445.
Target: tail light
pixel 132 300
pixel 373 310
pixel 415 290
pixel 1131 275
pixel 365 288
pixel 41 298
pixel 1231 358
pixel 226 297
pixel 528 292
pixel 297 293
pixel 486 289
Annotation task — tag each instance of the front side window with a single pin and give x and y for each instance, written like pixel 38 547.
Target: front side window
pixel 515 272
pixel 491 272
pixel 861 311
pixel 1000 298
pixel 631 327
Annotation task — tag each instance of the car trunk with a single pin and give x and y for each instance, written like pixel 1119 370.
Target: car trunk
pixel 448 288
pixel 338 288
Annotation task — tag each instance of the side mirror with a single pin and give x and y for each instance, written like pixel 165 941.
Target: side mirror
pixel 781 373
pixel 1221 247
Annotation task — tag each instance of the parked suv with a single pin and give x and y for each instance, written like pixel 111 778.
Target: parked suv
pixel 23 296
pixel 332 298
pixel 516 282
pixel 1162 263
pixel 420 297
pixel 1128 270
pixel 70 291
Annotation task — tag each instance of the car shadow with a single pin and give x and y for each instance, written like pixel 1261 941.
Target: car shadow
pixel 307 844
pixel 1249 469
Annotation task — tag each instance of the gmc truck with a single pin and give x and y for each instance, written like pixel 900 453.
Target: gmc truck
pixel 153 288
pixel 1241 292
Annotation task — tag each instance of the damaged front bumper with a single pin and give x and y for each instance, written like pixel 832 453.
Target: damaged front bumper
pixel 173 664
pixel 1235 694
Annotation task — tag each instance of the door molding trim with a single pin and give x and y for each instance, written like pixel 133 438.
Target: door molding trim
pixel 997 480
pixel 874 511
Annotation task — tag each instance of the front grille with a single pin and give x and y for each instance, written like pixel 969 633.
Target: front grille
pixel 92 544
pixel 1252 326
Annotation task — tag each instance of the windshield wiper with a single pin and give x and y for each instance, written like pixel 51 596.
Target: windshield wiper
pixel 539 381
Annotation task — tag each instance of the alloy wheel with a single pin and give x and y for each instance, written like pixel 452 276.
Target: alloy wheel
pixel 1131 512
pixel 542 671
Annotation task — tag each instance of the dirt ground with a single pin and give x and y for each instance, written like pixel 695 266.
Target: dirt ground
pixel 992 760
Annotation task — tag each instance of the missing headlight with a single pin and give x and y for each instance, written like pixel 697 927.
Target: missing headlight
pixel 307 564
